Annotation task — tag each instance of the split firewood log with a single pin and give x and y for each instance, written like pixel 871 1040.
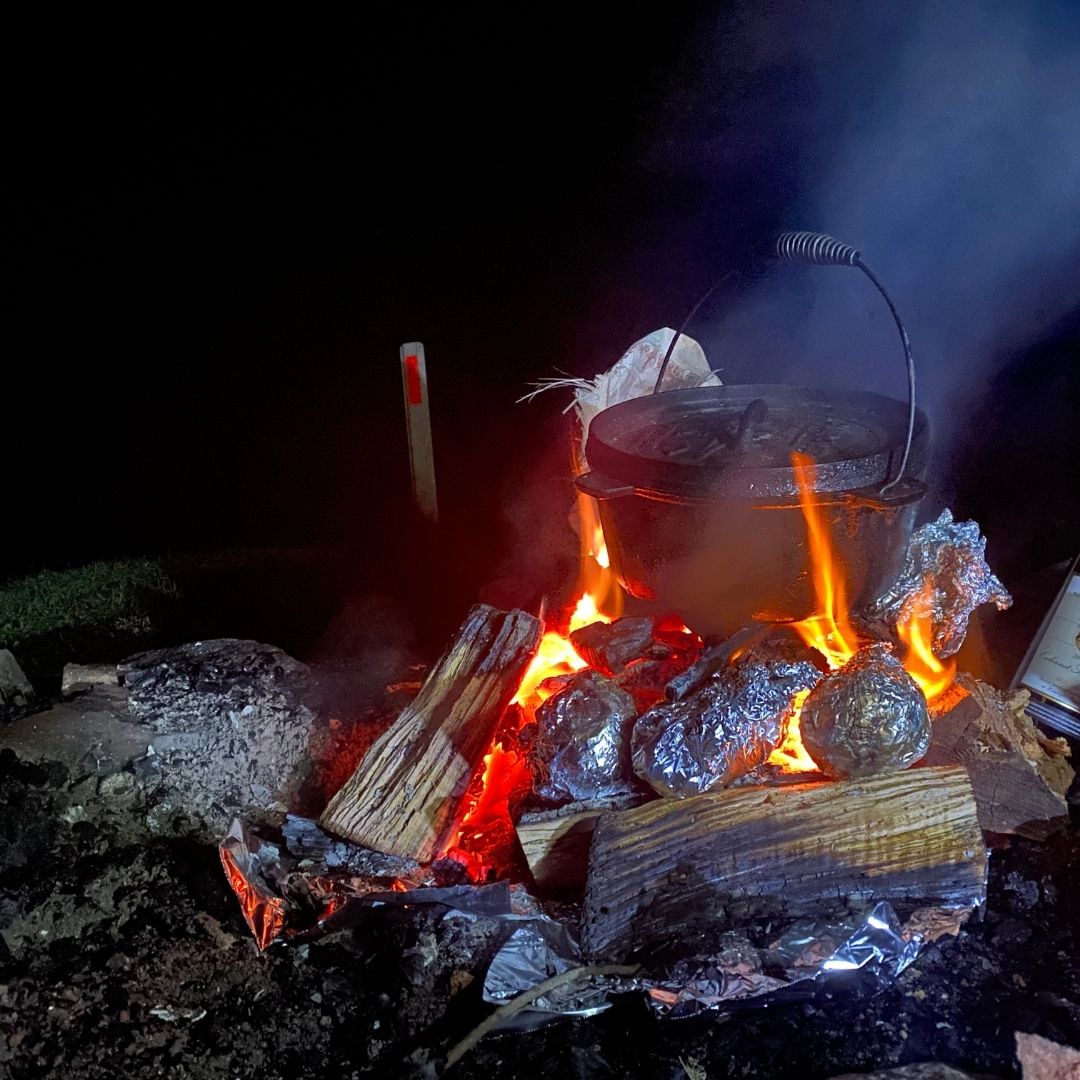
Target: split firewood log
pixel 556 842
pixel 1020 776
pixel 406 795
pixel 672 874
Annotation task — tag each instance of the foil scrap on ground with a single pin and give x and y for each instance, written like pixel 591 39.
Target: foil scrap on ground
pixel 286 894
pixel 579 745
pixel 722 731
pixel 537 950
pixel 736 973
pixel 866 718
pixel 945 568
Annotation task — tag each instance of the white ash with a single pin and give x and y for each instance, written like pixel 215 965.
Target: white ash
pixel 228 726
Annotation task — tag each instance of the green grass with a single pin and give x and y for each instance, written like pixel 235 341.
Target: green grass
pixel 114 598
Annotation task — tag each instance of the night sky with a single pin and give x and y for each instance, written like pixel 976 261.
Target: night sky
pixel 223 227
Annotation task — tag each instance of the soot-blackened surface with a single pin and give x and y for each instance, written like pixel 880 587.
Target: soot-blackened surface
pixel 140 965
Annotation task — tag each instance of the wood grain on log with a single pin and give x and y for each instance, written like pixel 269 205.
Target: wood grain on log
pixel 1019 775
pixel 557 849
pixel 405 797
pixel 679 868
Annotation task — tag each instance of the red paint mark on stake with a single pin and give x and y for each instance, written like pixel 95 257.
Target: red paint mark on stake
pixel 412 380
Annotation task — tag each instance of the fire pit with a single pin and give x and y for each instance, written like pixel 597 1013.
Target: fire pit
pixel 580 807
pixel 733 799
pixel 661 785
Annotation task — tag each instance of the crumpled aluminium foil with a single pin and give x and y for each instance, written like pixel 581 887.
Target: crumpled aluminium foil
pixel 948 559
pixel 293 890
pixel 538 949
pixel 735 972
pixel 721 731
pixel 539 946
pixel 866 718
pixel 579 746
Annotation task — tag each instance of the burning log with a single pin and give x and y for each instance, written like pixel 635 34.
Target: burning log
pixel 670 870
pixel 405 797
pixel 1019 775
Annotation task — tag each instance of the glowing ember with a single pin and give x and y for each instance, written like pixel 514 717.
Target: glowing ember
pixel 505 772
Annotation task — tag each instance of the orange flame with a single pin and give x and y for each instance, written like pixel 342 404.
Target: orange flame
pixel 791 755
pixel 916 629
pixel 829 630
pixel 601 600
pixel 556 656
pixel 597 578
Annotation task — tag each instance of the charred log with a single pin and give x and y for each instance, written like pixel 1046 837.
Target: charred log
pixel 1019 775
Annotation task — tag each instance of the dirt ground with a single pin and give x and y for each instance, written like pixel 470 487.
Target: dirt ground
pixel 123 952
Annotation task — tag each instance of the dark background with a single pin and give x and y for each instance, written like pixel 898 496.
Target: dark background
pixel 222 227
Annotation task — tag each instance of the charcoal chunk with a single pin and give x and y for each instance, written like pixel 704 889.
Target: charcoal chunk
pixel 609 647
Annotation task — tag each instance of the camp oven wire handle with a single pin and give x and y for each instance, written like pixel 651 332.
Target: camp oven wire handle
pixel 820 249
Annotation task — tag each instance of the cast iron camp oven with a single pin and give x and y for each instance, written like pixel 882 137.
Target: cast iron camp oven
pixel 698 495
pixel 699 501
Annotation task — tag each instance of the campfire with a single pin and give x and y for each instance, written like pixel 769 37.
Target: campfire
pixel 804 773
pixel 760 768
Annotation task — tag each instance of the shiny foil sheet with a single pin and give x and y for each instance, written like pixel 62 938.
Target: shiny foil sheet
pixel 866 718
pixel 947 559
pixel 722 731
pixel 735 973
pixel 536 950
pixel 579 747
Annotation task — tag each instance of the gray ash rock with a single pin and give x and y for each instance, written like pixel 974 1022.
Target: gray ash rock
pixel 722 731
pixel 579 746
pixel 868 717
pixel 227 721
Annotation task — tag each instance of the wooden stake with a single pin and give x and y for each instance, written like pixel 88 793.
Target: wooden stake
pixel 405 797
pixel 418 426
pixel 672 870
